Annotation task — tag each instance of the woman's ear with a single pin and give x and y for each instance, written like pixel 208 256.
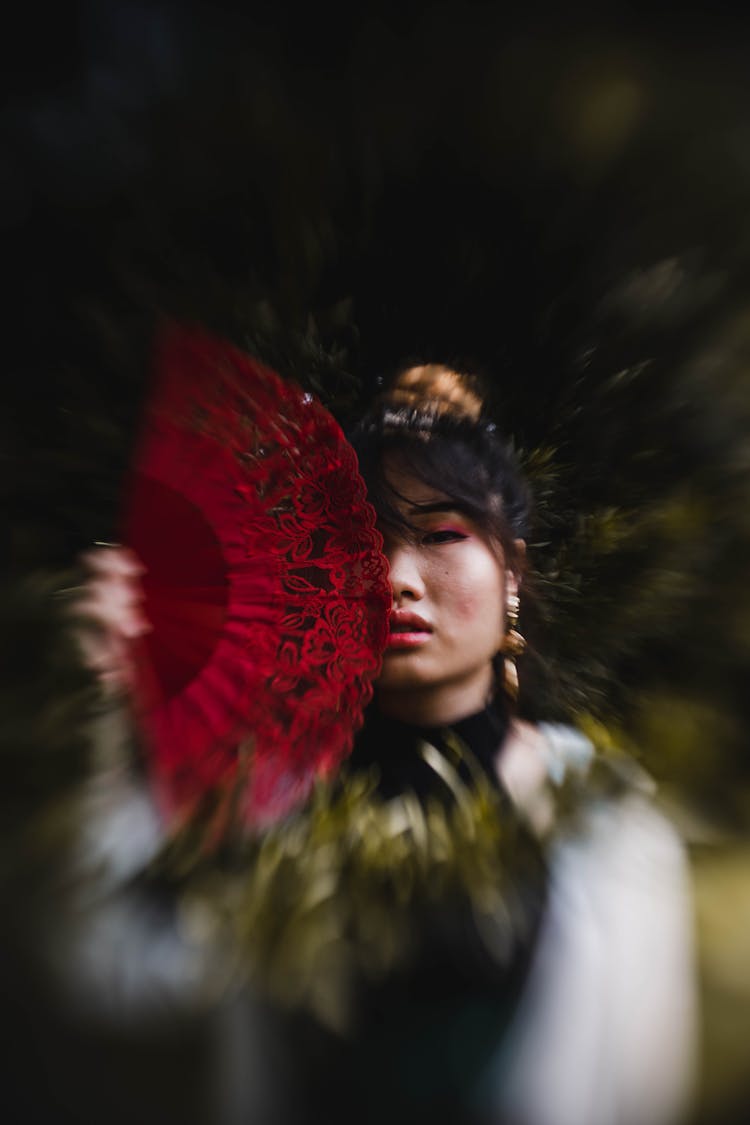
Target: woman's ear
pixel 513 574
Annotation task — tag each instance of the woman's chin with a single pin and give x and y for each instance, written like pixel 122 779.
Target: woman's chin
pixel 402 671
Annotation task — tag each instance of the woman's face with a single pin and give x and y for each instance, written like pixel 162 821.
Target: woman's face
pixel 448 613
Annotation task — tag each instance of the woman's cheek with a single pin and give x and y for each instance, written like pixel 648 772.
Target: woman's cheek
pixel 478 597
pixel 476 606
pixel 468 606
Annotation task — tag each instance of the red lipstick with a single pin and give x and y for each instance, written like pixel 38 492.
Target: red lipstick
pixel 407 630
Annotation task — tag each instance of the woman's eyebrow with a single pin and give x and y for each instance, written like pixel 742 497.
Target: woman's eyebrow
pixel 437 506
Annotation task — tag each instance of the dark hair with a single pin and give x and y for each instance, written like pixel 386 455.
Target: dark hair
pixel 462 457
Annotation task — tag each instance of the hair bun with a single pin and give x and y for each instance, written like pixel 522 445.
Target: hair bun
pixel 435 388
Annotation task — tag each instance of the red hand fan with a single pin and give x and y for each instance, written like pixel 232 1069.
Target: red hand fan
pixel 266 586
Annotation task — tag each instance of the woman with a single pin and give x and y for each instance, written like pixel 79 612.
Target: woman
pixel 598 1002
pixel 587 1016
pixel 453 510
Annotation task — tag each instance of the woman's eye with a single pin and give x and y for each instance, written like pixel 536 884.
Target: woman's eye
pixel 444 535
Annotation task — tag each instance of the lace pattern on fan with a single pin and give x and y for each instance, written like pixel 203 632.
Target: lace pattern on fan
pixel 288 508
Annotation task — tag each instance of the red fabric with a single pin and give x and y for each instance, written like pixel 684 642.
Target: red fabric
pixel 266 585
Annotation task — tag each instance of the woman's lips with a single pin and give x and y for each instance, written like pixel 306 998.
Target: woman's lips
pixel 407 640
pixel 407 630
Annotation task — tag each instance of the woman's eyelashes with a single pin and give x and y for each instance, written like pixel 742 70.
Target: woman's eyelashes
pixel 443 535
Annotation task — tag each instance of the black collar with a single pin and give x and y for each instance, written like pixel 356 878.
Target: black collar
pixel 391 747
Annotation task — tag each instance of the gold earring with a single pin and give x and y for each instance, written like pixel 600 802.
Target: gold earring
pixel 513 645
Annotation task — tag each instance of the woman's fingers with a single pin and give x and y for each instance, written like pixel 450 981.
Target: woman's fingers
pixel 110 614
pixel 113 561
pixel 115 604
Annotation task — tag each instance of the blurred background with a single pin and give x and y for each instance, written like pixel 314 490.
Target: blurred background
pixel 559 197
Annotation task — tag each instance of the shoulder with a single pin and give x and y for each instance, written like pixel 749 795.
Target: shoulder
pixel 565 786
pixel 535 761
pixel 616 943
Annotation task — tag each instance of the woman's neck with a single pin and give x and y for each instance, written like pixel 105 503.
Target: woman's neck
pixel 431 707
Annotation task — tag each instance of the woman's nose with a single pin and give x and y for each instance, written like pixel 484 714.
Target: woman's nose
pixel 405 575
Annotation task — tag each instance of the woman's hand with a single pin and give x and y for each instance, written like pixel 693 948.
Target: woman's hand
pixel 111 615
